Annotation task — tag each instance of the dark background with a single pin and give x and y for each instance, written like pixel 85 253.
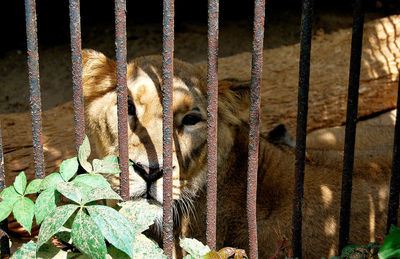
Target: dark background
pixel 53 16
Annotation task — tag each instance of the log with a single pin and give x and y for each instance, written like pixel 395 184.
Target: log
pixel 330 59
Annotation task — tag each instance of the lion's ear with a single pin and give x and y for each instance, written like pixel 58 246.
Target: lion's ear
pixel 234 100
pixel 98 74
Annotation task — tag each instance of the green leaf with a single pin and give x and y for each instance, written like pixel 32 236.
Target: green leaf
pixel 83 155
pixel 373 245
pixel 349 250
pixel 51 181
pixel 101 193
pixel 68 168
pixel 23 211
pixel 147 248
pixel 48 251
pixel 54 221
pixel 10 194
pixel 6 207
pixel 114 227
pixel 391 245
pixel 64 234
pixel 20 183
pixel 109 165
pixel 392 228
pixel 46 202
pixel 73 191
pixel 140 213
pixel 116 253
pixel 87 237
pixel 68 224
pixel 34 186
pixel 194 247
pixel 93 180
pixel 27 251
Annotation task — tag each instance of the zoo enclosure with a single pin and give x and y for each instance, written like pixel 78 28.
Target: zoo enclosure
pixel 212 82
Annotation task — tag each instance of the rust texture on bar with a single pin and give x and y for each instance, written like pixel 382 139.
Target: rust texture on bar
pixel 212 118
pixel 34 82
pixel 122 95
pixel 255 102
pixel 393 208
pixel 167 94
pixel 4 240
pixel 76 55
pixel 351 121
pixel 301 130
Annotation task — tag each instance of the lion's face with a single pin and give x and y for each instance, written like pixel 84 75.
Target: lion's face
pixel 145 131
pixel 146 138
pixel 145 124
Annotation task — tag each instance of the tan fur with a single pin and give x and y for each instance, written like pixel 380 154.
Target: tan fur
pixel 276 167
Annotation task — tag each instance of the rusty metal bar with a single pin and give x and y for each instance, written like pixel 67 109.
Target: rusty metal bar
pixel 167 94
pixel 34 82
pixel 301 130
pixel 255 102
pixel 122 95
pixel 4 240
pixel 76 55
pixel 351 120
pixel 212 118
pixel 393 207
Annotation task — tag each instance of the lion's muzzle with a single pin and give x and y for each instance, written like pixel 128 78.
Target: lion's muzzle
pixel 149 174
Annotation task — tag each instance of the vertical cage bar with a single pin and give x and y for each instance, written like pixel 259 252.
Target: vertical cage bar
pixel 212 118
pixel 4 241
pixel 167 93
pixel 76 56
pixel 393 207
pixel 122 95
pixel 34 83
pixel 301 130
pixel 255 102
pixel 351 120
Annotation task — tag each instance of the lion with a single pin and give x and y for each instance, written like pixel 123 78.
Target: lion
pixel 275 183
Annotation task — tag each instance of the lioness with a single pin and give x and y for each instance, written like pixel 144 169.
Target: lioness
pixel 276 163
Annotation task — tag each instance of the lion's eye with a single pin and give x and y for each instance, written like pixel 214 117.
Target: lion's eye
pixel 191 119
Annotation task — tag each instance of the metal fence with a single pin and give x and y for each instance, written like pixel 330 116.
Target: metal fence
pixel 167 76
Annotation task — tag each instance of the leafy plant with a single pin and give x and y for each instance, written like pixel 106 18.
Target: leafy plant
pixel 385 249
pixel 194 247
pixel 361 251
pixel 391 244
pixel 88 224
pixel 14 200
pixel 81 226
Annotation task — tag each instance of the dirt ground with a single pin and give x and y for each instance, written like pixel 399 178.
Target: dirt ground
pixel 282 28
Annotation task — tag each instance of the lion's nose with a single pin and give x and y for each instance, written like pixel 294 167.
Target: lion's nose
pixel 149 174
